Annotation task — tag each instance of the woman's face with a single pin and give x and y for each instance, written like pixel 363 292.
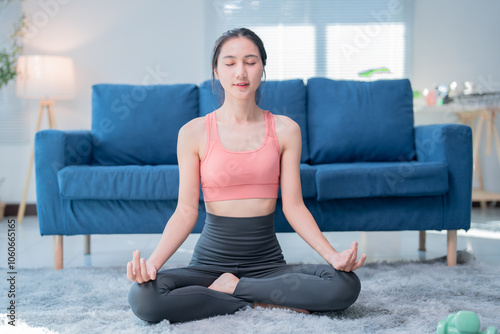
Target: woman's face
pixel 239 68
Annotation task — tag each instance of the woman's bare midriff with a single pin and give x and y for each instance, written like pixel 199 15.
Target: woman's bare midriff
pixel 252 207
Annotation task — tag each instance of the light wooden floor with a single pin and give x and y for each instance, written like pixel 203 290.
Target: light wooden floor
pixel 33 250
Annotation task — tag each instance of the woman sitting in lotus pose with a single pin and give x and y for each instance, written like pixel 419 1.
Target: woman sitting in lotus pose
pixel 240 154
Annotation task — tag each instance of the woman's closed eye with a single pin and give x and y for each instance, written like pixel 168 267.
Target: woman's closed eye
pixel 231 64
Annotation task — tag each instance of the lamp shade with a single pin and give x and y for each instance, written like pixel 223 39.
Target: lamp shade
pixel 45 77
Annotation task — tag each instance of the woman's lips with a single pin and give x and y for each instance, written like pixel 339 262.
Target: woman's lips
pixel 242 85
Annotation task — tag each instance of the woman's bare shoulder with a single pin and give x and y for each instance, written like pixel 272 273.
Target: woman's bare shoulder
pixel 286 126
pixel 194 127
pixel 192 135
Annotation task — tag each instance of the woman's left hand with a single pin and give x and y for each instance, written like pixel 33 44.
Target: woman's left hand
pixel 347 260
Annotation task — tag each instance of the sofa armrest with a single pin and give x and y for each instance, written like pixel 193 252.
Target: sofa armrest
pixel 54 150
pixel 59 149
pixel 450 143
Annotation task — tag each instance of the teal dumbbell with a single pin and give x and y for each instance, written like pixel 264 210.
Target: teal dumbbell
pixel 463 322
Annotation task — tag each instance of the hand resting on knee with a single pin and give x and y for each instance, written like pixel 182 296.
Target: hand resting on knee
pixel 347 260
pixel 138 270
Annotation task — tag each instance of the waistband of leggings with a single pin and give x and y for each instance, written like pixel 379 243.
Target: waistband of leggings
pixel 212 218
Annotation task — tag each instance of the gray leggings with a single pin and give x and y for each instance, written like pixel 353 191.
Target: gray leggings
pixel 247 248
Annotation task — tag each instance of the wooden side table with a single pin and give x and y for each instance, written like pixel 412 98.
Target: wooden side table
pixel 485 117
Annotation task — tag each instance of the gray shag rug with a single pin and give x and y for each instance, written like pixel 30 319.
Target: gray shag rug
pixel 396 297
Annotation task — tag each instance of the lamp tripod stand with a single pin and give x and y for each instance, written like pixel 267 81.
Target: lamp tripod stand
pixel 44 104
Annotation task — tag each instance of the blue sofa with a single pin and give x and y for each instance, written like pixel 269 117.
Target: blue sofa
pixel 364 165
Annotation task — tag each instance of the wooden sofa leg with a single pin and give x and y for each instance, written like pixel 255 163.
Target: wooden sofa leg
pixel 87 244
pixel 421 241
pixel 58 251
pixel 452 248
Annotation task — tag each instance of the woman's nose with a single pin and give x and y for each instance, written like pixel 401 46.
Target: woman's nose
pixel 240 70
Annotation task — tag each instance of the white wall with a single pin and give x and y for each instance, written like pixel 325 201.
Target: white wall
pixel 117 41
pixel 457 40
pixel 112 41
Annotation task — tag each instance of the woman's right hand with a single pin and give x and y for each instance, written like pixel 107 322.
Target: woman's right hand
pixel 347 260
pixel 139 271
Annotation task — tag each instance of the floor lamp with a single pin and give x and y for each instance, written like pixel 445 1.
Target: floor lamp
pixel 44 78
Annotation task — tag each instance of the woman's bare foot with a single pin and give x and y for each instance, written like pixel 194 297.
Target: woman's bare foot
pixel 255 305
pixel 225 283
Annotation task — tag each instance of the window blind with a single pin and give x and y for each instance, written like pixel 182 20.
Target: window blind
pixel 355 39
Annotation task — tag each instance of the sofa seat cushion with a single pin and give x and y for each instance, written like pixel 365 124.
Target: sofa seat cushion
pixel 307 181
pixel 119 182
pixel 138 125
pixel 381 179
pixel 141 182
pixel 355 121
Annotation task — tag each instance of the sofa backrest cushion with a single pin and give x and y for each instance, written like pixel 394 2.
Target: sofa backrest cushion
pixel 284 97
pixel 209 98
pixel 138 125
pixel 350 121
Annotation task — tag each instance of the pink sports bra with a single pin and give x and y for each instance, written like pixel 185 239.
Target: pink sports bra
pixel 228 175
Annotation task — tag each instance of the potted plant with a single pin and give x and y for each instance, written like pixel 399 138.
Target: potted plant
pixel 11 52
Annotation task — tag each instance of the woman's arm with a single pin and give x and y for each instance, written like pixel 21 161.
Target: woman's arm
pixel 294 208
pixel 184 218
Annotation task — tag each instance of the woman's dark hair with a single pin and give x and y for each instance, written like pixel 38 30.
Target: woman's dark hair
pixel 238 32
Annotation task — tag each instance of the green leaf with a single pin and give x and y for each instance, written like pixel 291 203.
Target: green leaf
pixel 9 55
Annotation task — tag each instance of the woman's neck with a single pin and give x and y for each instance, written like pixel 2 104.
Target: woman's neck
pixel 240 110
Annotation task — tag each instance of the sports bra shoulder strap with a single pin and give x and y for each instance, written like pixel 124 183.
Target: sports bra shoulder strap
pixel 211 127
pixel 270 124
